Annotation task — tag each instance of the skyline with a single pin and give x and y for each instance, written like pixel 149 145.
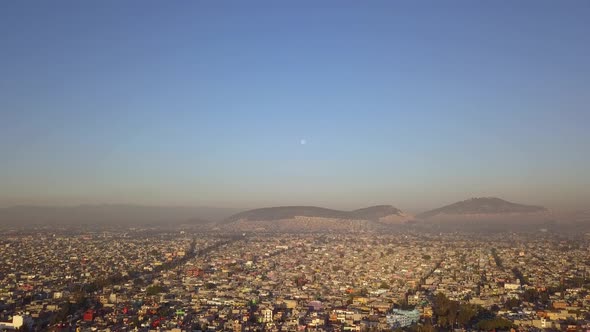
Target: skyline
pixel 260 104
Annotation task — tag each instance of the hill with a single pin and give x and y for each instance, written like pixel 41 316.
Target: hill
pixel 482 206
pixel 375 212
pixel 313 218
pixel 287 212
pixel 488 214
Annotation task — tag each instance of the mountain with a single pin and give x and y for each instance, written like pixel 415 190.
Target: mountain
pixel 313 218
pixel 482 206
pixel 288 212
pixel 112 214
pixel 375 212
pixel 489 214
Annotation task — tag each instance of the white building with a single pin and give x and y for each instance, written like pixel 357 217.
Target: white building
pixel 403 318
pixel 266 315
pixel 17 322
pixel 511 286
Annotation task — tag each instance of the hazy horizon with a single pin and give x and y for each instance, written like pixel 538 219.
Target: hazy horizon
pixel 262 205
pixel 245 105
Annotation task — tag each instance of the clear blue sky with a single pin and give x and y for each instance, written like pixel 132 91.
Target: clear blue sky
pixel 410 103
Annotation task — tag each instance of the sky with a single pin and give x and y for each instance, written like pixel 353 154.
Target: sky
pixel 332 103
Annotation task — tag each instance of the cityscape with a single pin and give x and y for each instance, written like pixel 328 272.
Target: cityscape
pixel 295 165
pixel 149 279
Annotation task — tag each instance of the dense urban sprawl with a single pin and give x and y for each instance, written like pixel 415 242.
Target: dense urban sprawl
pixel 184 281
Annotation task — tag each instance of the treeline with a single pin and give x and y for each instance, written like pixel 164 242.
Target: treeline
pixel 450 314
pixel 497 258
pixel 518 274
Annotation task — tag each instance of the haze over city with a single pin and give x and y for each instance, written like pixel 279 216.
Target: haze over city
pixel 338 104
pixel 281 166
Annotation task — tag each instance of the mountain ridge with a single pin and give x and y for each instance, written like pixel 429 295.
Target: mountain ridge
pixel 372 213
pixel 482 206
pixel 475 211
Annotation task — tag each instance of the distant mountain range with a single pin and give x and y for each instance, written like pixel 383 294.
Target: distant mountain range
pixel 117 214
pixel 488 213
pixel 475 213
pixel 287 212
pixel 482 206
pixel 313 218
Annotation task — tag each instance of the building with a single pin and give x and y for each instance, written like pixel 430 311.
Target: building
pixel 18 321
pixel 403 318
pixel 267 315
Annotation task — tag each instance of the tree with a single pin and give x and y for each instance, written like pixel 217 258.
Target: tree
pixel 511 303
pixel 154 290
pixel 453 312
pixel 494 323
pixel 364 292
pixel 448 312
pixel 24 328
pixel 466 314
pixel 164 311
pixel 426 327
pixel 63 313
pixel 531 295
pixel 442 306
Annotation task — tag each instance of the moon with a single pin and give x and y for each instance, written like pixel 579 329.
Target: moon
pixel 303 141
